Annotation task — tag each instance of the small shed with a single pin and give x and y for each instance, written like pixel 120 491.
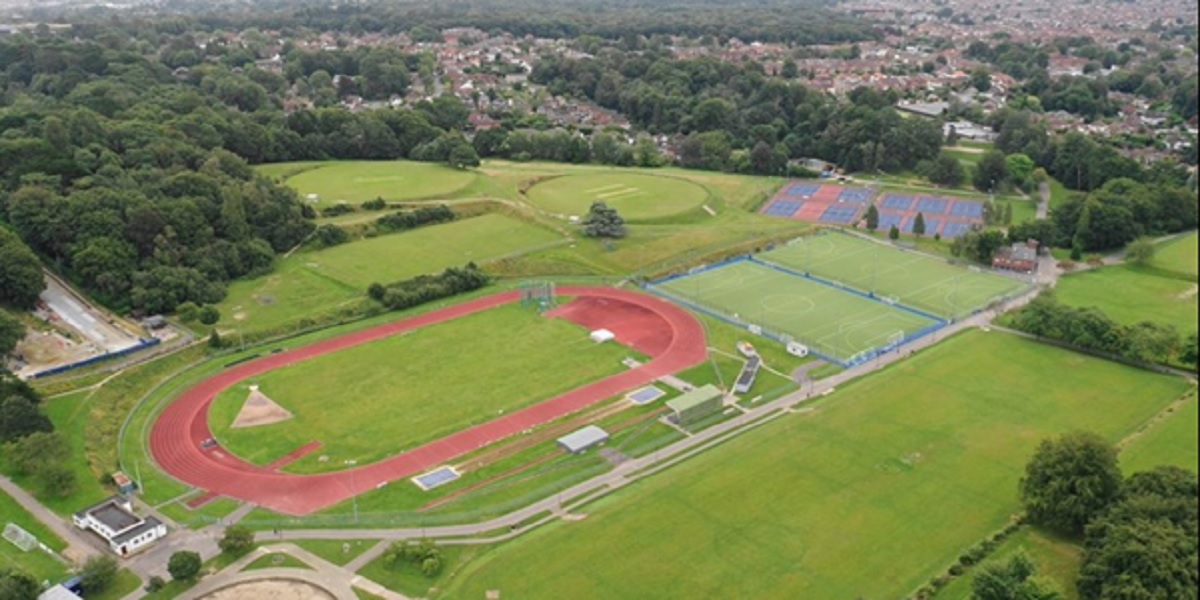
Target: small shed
pixel 602 335
pixel 581 439
pixel 696 404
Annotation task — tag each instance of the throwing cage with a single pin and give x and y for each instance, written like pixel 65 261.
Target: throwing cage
pixel 538 294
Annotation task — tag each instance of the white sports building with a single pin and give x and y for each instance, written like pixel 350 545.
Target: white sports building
pixel 115 521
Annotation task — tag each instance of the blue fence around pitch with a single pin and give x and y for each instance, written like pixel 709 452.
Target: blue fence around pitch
pixel 142 345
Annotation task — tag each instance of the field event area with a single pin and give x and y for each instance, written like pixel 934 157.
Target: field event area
pixel 835 323
pixel 355 182
pixel 916 463
pixel 388 396
pixel 635 196
pixel 310 283
pixel 911 278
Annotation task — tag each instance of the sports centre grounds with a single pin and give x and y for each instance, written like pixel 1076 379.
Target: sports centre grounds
pixel 845 298
pixel 818 203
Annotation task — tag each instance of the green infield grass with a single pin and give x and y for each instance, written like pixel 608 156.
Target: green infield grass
pixel 391 395
pixel 1173 440
pixel 1129 295
pixel 833 322
pixel 358 181
pixel 1179 255
pixel 276 560
pixel 916 463
pixel 307 284
pixel 914 279
pixel 338 552
pixel 636 196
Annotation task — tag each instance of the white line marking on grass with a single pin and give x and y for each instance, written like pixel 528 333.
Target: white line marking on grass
pixel 627 192
pixel 604 187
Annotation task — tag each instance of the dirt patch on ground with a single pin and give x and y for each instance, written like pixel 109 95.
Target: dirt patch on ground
pixel 259 410
pixel 1189 292
pixel 271 589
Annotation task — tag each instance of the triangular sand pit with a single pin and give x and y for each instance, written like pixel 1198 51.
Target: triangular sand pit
pixel 259 410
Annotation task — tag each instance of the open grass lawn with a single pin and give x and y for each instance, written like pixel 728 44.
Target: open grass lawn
pixel 833 322
pixel 358 181
pixel 35 562
pixel 1179 255
pixel 1171 441
pixel 276 560
pixel 338 552
pixel 636 196
pixel 407 579
pixel 1128 295
pixel 879 488
pixel 384 397
pixel 307 284
pixel 1057 559
pixel 915 279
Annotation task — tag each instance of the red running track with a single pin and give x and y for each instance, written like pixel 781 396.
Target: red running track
pixel 669 335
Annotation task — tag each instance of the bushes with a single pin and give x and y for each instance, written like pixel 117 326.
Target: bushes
pixel 400 221
pixel 1090 329
pixel 331 235
pixel 426 288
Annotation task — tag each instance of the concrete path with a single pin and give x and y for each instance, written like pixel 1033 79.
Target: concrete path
pixel 1043 207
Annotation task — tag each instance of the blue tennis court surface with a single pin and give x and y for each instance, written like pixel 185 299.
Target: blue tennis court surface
pixel 886 221
pixel 839 214
pixel 646 395
pixel 857 195
pixel 955 229
pixel 932 206
pixel 896 202
pixel 783 208
pixel 931 225
pixel 964 208
pixel 435 478
pixel 803 189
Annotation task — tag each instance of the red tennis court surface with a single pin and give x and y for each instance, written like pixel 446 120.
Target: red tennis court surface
pixel 669 335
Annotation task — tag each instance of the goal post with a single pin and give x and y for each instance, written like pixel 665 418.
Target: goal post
pixel 19 537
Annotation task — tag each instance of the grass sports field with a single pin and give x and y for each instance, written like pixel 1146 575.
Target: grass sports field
pixel 914 279
pixel 310 283
pixel 1179 255
pixel 35 562
pixel 831 321
pixel 1173 440
pixel 359 181
pixel 916 463
pixel 1129 295
pixel 636 196
pixel 375 400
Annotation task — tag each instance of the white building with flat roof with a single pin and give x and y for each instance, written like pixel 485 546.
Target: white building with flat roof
pixel 115 521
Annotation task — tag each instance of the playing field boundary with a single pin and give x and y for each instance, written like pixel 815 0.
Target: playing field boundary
pixel 815 348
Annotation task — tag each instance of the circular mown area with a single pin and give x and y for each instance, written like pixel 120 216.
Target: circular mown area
pixel 359 181
pixel 635 196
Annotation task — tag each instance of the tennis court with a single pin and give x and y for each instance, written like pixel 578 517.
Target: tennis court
pixel 835 323
pixel 910 278
pixel 818 202
pixel 948 217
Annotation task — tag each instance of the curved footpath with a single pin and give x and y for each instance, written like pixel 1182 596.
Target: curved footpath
pixel 670 335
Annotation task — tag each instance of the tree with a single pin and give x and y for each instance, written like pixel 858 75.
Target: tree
pixel 209 315
pixel 872 218
pixel 602 221
pixel 58 480
pixel 184 565
pixel 991 171
pixel 463 156
pixel 11 332
pixel 30 454
pixel 946 170
pixel 21 277
pixel 18 585
pixel 1140 251
pixel 98 573
pixel 1070 480
pixel 1020 168
pixel 1187 353
pixel 20 417
pixel 894 233
pixel 238 540
pixel 918 227
pixel 1011 580
pixel 1145 546
pixel 981 79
